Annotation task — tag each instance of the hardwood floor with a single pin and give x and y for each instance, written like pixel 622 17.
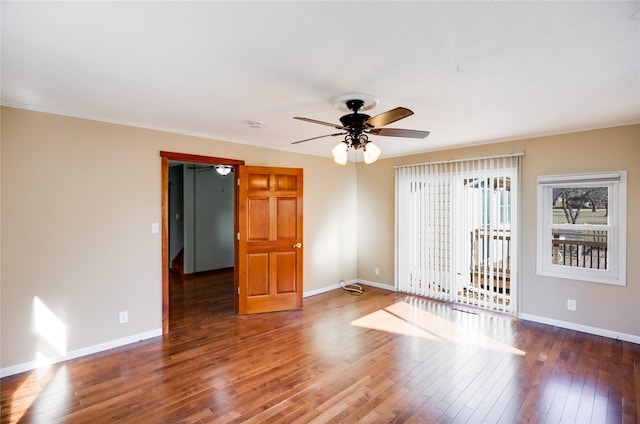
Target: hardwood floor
pixel 382 357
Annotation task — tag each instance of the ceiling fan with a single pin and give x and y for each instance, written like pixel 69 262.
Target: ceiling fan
pixel 357 126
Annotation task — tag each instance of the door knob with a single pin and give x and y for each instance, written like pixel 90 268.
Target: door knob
pixel 297 245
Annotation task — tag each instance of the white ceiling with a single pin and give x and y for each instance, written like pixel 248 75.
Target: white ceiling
pixel 473 72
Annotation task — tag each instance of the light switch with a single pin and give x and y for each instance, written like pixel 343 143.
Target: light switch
pixel 155 228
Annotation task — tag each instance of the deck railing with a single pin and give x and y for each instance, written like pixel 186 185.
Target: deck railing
pixel 580 249
pixel 491 259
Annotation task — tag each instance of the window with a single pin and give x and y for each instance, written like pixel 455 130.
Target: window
pixel 582 227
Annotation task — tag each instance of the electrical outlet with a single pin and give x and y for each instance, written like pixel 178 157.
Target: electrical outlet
pixel 571 304
pixel 124 316
pixel 377 271
pixel 155 228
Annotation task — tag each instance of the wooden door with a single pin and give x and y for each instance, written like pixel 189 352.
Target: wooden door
pixel 269 239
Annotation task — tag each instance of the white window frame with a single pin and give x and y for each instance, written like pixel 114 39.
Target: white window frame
pixel 616 228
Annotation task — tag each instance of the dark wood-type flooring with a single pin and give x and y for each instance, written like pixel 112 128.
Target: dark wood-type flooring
pixel 382 357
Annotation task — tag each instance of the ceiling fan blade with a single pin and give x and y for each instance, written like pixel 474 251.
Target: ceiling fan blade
pixel 313 121
pixel 385 118
pixel 397 132
pixel 321 136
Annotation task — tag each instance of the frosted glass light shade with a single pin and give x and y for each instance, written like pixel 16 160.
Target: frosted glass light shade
pixel 339 153
pixel 371 153
pixel 342 160
pixel 340 149
pixel 223 169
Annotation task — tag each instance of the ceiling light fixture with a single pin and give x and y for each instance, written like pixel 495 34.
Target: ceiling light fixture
pixel 256 124
pixel 370 152
pixel 223 169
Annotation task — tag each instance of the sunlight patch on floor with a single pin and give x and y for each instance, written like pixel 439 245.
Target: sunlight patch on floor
pixel 383 320
pixel 403 318
pixel 52 330
pixel 28 392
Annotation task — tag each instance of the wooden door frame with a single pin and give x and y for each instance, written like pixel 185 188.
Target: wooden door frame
pixel 185 157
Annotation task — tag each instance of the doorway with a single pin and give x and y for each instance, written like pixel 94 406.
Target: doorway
pixel 201 218
pixel 194 263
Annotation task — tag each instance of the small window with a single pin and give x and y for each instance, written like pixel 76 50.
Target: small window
pixel 582 227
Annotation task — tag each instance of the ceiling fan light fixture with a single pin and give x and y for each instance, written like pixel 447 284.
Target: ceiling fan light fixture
pixel 223 169
pixel 356 127
pixel 371 153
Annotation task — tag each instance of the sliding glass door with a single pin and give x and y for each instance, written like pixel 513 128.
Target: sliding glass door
pixel 456 231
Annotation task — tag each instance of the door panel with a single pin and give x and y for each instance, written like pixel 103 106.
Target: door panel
pixel 270 239
pixel 286 208
pixel 258 284
pixel 258 219
pixel 257 181
pixel 285 272
pixel 286 182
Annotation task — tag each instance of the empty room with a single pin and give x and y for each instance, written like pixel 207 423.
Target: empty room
pixel 320 212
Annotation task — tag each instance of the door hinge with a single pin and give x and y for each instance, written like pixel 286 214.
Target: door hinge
pixel 238 236
pixel 238 289
pixel 238 182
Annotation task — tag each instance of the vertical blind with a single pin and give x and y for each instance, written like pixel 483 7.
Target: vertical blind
pixel 456 228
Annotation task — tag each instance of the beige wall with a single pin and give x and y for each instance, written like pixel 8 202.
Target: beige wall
pixel 79 197
pixel 600 306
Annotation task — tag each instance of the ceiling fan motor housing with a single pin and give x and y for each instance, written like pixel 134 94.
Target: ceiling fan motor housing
pixel 355 122
pixel 355 104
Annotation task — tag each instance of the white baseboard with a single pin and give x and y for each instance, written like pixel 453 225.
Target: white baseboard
pixel 320 291
pixel 378 285
pixel 326 289
pixel 31 365
pixel 583 328
pixel 337 286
